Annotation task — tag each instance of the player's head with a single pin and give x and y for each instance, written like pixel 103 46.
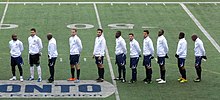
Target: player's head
pixel 145 33
pixel 181 35
pixel 73 32
pixel 161 32
pixel 117 34
pixel 49 36
pixel 99 32
pixel 194 37
pixel 14 37
pixel 33 31
pixel 131 36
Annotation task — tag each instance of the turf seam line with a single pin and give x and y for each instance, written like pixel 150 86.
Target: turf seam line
pixel 107 56
pixel 199 25
pixel 4 13
pixel 109 2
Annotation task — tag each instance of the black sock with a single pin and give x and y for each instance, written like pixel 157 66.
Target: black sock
pixel 134 74
pixel 13 70
pixel 124 72
pixel 102 72
pixel 78 73
pixel 149 74
pixel 73 72
pixel 162 72
pixel 184 73
pixel 119 70
pixel 180 70
pixel 99 72
pixel 20 70
pixel 199 70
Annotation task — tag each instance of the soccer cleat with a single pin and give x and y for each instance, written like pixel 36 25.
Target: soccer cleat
pixel 71 79
pixel 183 80
pixel 100 80
pixel 158 80
pixel 123 80
pixel 197 80
pixel 97 79
pixel 39 79
pixel 180 79
pixel 77 81
pixel 21 79
pixel 118 79
pixel 145 80
pixel 131 81
pixel 13 78
pixel 30 79
pixel 162 82
pixel 49 81
pixel 148 82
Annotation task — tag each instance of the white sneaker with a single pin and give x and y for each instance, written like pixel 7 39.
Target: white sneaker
pixel 21 79
pixel 13 78
pixel 159 79
pixel 162 82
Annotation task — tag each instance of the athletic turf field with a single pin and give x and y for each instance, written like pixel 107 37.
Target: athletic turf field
pixel 172 18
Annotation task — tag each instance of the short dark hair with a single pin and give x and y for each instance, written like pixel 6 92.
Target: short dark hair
pixel 131 34
pixel 100 30
pixel 33 29
pixel 182 34
pixel 146 31
pixel 119 33
pixel 74 29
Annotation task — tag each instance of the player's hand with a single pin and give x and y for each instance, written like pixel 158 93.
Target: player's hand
pixel 152 57
pixel 115 63
pixel 177 56
pixel 93 56
pixel 204 57
pixel 139 55
pixel 40 53
pixel 166 56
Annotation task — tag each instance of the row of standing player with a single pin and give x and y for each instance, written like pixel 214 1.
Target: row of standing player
pixel 35 47
pixel 162 51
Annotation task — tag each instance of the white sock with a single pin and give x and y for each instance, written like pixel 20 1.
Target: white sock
pixel 32 71
pixel 39 71
pixel 21 77
pixel 14 77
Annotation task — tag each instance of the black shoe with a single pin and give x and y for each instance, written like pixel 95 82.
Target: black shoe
pixel 197 80
pixel 148 82
pixel 50 81
pixel 117 79
pixel 131 81
pixel 145 80
pixel 97 79
pixel 123 80
pixel 100 80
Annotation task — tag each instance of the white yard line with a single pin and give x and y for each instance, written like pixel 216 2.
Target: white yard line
pixel 59 3
pixel 214 43
pixel 107 56
pixel 3 16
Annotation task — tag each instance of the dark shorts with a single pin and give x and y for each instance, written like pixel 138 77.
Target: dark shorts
pixel 74 59
pixel 16 61
pixel 97 61
pixel 134 62
pixel 147 61
pixel 198 61
pixel 52 61
pixel 121 59
pixel 181 62
pixel 161 61
pixel 34 59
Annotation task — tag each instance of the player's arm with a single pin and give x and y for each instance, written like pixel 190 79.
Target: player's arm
pixel 137 47
pixel 52 49
pixel 103 45
pixel 40 44
pixel 21 46
pixel 165 46
pixel 151 46
pixel 201 47
pixel 123 45
pixel 79 43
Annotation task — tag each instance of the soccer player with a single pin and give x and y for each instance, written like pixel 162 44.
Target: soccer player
pixel 75 50
pixel 148 52
pixel 98 54
pixel 16 48
pixel 35 47
pixel 162 50
pixel 135 53
pixel 181 53
pixel 52 55
pixel 120 52
pixel 199 55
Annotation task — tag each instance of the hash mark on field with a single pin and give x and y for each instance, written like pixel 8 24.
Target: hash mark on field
pixel 4 13
pixel 107 56
pixel 214 43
